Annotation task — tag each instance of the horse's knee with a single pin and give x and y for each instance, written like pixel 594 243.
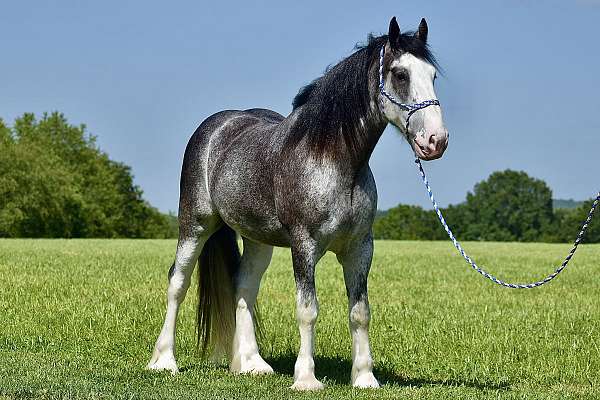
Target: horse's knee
pixel 360 314
pixel 307 312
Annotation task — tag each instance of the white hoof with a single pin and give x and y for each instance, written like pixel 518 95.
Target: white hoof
pixel 162 362
pixel 308 384
pixel 254 365
pixel 366 381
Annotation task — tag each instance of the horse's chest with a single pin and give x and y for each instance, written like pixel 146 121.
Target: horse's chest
pixel 329 202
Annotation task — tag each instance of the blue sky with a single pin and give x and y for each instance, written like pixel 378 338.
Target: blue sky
pixel 520 89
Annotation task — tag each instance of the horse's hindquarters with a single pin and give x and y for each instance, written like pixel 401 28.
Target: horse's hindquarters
pixel 240 178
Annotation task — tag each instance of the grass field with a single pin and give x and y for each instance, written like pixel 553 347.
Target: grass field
pixel 78 319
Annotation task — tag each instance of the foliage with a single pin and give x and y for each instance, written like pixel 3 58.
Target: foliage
pixel 569 224
pixel 568 203
pixel 56 182
pixel 508 206
pixel 78 320
pixel 407 223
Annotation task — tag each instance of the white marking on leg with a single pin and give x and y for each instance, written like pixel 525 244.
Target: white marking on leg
pixel 362 362
pixel 245 355
pixel 307 310
pixel 357 262
pixel 163 356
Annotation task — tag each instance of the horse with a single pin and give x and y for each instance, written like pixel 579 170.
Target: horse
pixel 301 182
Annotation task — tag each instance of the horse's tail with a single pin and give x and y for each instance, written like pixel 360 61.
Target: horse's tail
pixel 219 264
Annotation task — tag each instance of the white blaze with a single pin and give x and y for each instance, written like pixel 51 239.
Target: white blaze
pixel 422 75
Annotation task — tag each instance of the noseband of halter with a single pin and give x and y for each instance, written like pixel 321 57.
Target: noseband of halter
pixel 411 108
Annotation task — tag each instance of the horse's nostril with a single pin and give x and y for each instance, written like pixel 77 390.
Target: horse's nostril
pixel 433 143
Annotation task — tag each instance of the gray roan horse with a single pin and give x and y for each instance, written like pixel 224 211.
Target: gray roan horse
pixel 301 181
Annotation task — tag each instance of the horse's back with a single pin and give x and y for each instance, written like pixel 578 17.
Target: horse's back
pixel 268 115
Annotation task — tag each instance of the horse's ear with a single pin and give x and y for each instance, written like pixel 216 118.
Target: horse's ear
pixel 421 33
pixel 394 33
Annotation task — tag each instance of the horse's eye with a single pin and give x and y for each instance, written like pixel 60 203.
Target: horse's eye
pixel 401 74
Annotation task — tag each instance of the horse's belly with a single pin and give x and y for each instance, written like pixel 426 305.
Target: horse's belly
pixel 255 221
pixel 264 232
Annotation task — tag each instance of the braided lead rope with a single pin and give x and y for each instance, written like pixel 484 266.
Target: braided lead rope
pixel 488 275
pixel 411 108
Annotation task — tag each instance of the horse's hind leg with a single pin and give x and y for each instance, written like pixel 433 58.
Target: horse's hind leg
pixel 245 357
pixel 189 246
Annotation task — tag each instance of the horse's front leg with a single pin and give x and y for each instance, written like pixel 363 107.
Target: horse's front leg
pixel 356 261
pixel 304 258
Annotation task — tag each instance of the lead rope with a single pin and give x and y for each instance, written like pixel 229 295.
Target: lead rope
pixel 487 274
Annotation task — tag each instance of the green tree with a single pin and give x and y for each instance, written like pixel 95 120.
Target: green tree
pixel 36 192
pixel 56 182
pixel 508 206
pixel 569 223
pixel 405 222
pixel 5 134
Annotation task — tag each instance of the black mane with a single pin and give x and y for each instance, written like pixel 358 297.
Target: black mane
pixel 408 43
pixel 333 103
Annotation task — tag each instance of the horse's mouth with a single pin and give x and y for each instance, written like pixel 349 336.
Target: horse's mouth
pixel 423 153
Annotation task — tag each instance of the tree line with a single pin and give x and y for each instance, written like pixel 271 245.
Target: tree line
pixel 508 206
pixel 56 182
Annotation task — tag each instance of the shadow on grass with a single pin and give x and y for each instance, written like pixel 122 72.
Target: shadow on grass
pixel 338 371
pixel 203 365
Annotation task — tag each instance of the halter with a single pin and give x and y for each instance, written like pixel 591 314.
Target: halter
pixel 411 108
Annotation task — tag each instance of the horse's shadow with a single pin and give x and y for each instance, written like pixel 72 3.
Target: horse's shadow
pixel 338 370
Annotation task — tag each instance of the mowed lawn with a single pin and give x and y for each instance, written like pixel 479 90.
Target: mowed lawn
pixel 78 319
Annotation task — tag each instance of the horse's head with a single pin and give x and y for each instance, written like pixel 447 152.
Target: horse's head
pixel 407 96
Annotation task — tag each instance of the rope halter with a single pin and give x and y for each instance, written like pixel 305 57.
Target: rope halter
pixel 411 108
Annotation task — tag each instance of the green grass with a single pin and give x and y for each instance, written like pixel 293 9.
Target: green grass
pixel 78 319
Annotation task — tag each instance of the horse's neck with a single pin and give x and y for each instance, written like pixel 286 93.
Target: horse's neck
pixel 369 129
pixel 371 124
pixel 351 150
pixel 370 132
